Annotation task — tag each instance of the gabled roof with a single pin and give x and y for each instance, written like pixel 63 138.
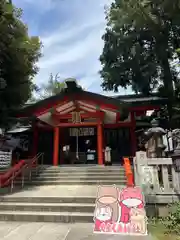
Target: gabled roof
pixel 122 102
pixel 54 100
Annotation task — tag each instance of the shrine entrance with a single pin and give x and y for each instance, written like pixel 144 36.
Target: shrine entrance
pixel 79 146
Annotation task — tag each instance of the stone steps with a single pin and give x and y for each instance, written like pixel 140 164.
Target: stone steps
pixel 71 182
pixel 47 199
pixel 65 217
pixel 82 169
pixel 47 207
pixel 90 174
pixel 85 171
pixel 81 175
pixel 53 195
pixel 76 178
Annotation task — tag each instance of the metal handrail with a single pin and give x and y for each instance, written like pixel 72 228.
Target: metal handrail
pixel 26 168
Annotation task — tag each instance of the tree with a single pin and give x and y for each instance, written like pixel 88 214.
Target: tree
pixel 18 56
pixel 141 39
pixel 51 88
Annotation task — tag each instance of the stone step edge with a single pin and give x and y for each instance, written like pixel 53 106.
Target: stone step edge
pixel 28 204
pixel 22 199
pixel 65 183
pixel 79 172
pixel 75 177
pixel 78 175
pixel 69 181
pixel 39 213
pixel 74 182
pixel 82 169
pixel 82 173
pixel 81 166
pixel 47 199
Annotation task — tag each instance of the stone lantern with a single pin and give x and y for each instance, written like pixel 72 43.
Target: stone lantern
pixel 154 136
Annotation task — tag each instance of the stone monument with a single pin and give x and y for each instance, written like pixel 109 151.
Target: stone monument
pixel 154 141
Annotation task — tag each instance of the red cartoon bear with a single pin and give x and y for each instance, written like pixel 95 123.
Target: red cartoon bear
pixel 130 197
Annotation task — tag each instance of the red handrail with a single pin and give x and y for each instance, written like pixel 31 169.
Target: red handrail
pixel 15 171
pixel 12 173
pixel 128 172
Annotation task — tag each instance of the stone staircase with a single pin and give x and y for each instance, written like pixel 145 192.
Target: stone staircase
pixel 59 194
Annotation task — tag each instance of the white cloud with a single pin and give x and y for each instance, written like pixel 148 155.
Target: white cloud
pixel 73 47
pixel 39 4
pixel 71 52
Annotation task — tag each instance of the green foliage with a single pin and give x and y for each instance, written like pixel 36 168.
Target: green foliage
pixel 18 56
pixel 172 221
pixel 141 39
pixel 51 88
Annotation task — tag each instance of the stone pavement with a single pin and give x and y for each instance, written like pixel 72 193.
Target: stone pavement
pixel 58 191
pixel 56 231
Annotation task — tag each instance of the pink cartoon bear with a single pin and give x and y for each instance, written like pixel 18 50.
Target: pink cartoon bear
pixel 130 197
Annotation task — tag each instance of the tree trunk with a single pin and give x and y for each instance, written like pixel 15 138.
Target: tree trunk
pixel 167 78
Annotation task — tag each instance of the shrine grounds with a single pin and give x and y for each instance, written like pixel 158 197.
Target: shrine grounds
pixel 77 231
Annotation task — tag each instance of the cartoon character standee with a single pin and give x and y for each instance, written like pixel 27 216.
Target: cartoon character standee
pixel 107 206
pixel 138 220
pixel 102 215
pixel 130 197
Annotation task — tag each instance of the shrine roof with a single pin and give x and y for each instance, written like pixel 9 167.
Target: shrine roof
pixel 121 101
pixel 71 95
pixel 140 99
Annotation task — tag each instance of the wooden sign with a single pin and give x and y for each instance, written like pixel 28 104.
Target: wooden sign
pixel 76 117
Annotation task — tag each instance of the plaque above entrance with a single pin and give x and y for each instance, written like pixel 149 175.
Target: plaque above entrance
pixel 81 132
pixel 76 117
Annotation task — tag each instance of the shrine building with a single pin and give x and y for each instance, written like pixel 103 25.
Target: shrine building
pixel 86 122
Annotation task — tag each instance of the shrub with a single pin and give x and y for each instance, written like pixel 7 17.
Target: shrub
pixel 172 221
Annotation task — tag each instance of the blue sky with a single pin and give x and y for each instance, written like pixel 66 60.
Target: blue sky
pixel 70 31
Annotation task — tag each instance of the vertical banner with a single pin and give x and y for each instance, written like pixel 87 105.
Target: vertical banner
pixel 120 211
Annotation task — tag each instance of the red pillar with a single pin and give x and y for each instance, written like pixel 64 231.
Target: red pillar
pixel 35 140
pixel 56 146
pixel 61 161
pixel 100 143
pixel 132 133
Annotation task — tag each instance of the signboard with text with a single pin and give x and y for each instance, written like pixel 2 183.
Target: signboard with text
pixel 81 132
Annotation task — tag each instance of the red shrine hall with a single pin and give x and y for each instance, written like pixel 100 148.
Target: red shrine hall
pixel 86 123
